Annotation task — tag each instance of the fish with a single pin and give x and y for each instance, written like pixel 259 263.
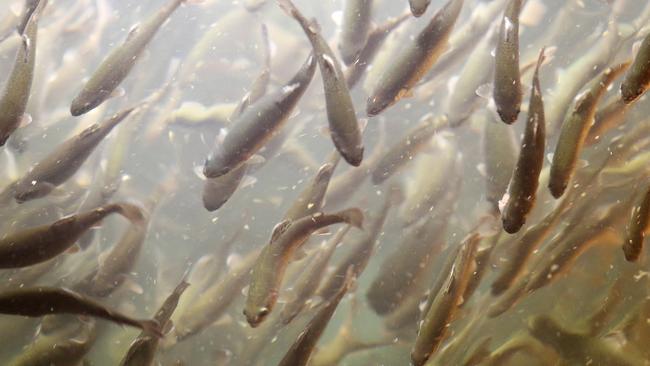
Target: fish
pixel 65 160
pixel 311 277
pixel 214 300
pixel 575 128
pixel 443 309
pixel 342 119
pixel 414 60
pixel 301 350
pixel 15 94
pixel 636 229
pixel 637 78
pixel 38 244
pixel 357 15
pixel 376 38
pixel 118 63
pixel 525 178
pixel 41 300
pixel 28 12
pixel 142 351
pixel 311 199
pixel 66 346
pixel 500 157
pixel 607 118
pixel 418 7
pixel 271 265
pixel 507 80
pixel 404 150
pixel 258 123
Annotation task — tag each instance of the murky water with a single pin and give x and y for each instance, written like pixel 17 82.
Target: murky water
pixel 558 292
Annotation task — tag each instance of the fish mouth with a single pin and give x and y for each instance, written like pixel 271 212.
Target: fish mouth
pixel 254 319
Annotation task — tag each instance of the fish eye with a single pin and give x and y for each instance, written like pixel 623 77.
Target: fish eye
pixel 263 312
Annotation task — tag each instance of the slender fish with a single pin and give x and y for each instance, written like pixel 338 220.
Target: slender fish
pixel 507 81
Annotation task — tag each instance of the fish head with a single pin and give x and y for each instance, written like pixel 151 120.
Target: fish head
pixel 256 316
pixel 26 191
pixel 215 194
pixel 376 104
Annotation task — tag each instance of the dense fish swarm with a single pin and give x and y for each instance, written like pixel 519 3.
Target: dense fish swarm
pixel 318 183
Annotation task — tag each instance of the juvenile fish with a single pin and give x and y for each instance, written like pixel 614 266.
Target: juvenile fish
pixel 311 198
pixel 636 229
pixel 258 123
pixel 407 148
pixel 357 15
pixel 435 324
pixel 525 178
pixel 507 81
pixel 575 128
pixel 41 301
pixel 301 350
pixel 142 351
pixel 272 263
pixel 62 163
pixel 119 62
pixel 637 79
pixel 343 123
pixel 500 157
pixel 38 244
pixel 14 97
pixel 413 62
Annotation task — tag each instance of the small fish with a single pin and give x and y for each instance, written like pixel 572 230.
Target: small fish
pixel 376 39
pixel 119 62
pixel 311 277
pixel 15 95
pixel 67 346
pixel 28 12
pixel 213 301
pixel 66 159
pixel 357 15
pixel 268 272
pixel 38 244
pixel 142 351
pixel 636 229
pixel 413 62
pixel 258 123
pixel 301 350
pixel 407 147
pixel 435 324
pixel 499 154
pixel 637 79
pixel 343 124
pixel 575 128
pixel 41 301
pixel 507 80
pixel 310 200
pixel 525 178
pixel 418 7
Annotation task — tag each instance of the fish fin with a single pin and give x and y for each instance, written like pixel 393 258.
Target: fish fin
pixel 353 216
pixel 25 120
pixel 130 284
pixel 256 160
pixel 279 229
pixel 118 92
pixel 485 91
pixel 198 171
pixel 325 131
pixel 132 31
pixel 133 213
pixel 248 181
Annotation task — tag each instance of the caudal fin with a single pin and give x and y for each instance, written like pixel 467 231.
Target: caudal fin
pixel 131 212
pixel 353 216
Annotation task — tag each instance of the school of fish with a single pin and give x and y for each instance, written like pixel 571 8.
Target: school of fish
pixel 320 183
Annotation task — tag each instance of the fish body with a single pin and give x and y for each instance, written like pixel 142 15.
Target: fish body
pixel 507 80
pixel 414 60
pixel 270 267
pixel 62 163
pixel 357 15
pixel 258 123
pixel 637 79
pixel 39 244
pixel 119 62
pixel 15 95
pixel 636 229
pixel 341 116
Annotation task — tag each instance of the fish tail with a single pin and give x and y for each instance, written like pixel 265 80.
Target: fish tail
pixel 353 216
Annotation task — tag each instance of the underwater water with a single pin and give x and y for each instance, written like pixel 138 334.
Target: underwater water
pixel 336 182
